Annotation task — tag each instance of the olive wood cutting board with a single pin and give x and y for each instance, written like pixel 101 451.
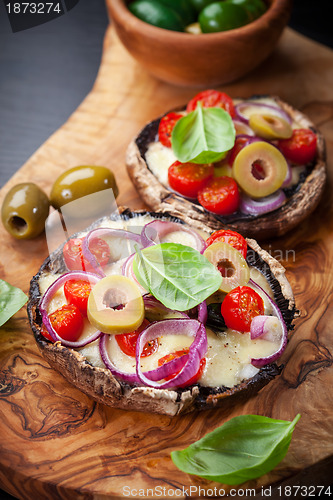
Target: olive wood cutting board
pixel 58 443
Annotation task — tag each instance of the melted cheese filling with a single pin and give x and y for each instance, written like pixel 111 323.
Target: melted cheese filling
pixel 228 359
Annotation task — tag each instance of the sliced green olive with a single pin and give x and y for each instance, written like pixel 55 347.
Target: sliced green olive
pixel 260 169
pixel 25 210
pixel 231 264
pixel 81 181
pixel 270 126
pixel 115 305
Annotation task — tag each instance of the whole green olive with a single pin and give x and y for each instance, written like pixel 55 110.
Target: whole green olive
pixel 81 181
pixel 24 211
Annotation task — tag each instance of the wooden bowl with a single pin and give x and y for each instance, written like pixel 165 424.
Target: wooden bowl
pixel 200 60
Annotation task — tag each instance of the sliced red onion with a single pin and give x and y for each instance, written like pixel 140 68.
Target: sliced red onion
pixel 187 364
pixel 288 177
pixel 47 297
pixel 99 233
pixel 242 128
pixel 245 109
pixel 157 229
pixel 127 270
pixel 259 362
pixel 152 305
pixel 262 205
pixel 202 312
pixel 131 378
pixel 266 327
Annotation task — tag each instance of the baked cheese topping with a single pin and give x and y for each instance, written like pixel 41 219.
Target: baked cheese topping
pixel 228 359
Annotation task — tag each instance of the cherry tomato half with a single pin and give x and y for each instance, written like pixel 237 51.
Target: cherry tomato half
pixel 212 99
pixel 188 178
pixel 240 306
pixel 220 195
pixel 166 126
pixel 301 147
pixel 77 293
pixel 178 354
pixel 127 342
pixel 45 333
pixel 234 239
pixel 73 255
pixel 240 143
pixel 67 322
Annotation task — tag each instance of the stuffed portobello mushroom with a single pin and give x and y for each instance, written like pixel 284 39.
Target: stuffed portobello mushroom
pixel 254 165
pixel 145 312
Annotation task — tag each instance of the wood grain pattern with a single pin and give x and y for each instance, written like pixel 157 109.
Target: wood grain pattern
pixel 58 443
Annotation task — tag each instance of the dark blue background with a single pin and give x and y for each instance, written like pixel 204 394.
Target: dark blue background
pixel 46 71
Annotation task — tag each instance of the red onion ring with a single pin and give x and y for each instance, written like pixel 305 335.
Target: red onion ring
pixel 127 270
pixel 263 327
pixel 104 231
pixel 289 175
pixel 261 108
pixel 261 205
pixel 52 289
pixel 160 228
pixel 131 378
pixel 202 312
pixel 242 128
pixel 259 362
pixel 188 364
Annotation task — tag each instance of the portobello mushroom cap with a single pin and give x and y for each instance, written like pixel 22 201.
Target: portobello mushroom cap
pixel 101 385
pixel 301 201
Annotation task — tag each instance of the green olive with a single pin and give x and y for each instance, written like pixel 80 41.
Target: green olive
pixel 222 16
pixel 81 181
pixel 260 169
pixel 270 126
pixel 115 305
pixel 24 211
pixel 231 264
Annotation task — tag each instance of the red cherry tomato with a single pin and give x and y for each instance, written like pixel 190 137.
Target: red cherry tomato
pixel 301 147
pixel 188 178
pixel 220 195
pixel 73 255
pixel 166 126
pixel 212 99
pixel 178 354
pixel 240 306
pixel 67 322
pixel 45 333
pixel 240 142
pixel 127 342
pixel 77 292
pixel 234 239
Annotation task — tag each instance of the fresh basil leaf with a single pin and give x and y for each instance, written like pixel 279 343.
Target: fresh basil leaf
pixel 11 301
pixel 177 275
pixel 203 136
pixel 244 448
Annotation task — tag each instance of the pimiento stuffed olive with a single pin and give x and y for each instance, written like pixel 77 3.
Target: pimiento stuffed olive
pixel 24 211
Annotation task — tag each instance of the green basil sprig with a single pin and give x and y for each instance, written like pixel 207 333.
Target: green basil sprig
pixel 203 135
pixel 11 301
pixel 244 448
pixel 177 275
